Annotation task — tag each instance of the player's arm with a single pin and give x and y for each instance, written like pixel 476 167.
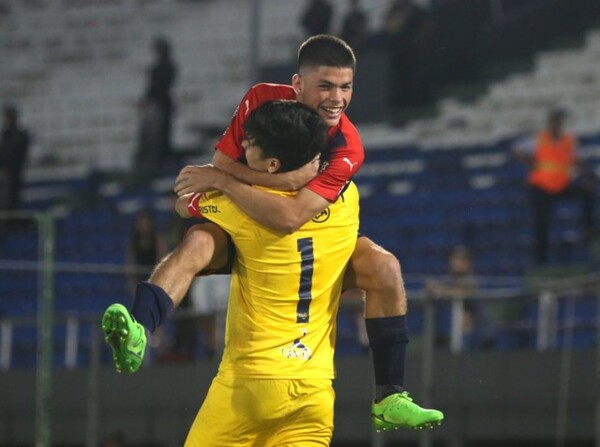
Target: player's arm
pixel 286 181
pixel 283 214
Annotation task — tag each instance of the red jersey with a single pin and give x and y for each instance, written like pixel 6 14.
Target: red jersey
pixel 343 157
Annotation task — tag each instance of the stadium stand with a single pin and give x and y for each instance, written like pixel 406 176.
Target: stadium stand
pixel 425 187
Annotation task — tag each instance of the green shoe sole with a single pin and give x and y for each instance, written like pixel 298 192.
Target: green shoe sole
pixel 125 337
pixel 399 411
pixel 382 425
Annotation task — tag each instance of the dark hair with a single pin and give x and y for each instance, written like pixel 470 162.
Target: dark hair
pixel 327 50
pixel 288 131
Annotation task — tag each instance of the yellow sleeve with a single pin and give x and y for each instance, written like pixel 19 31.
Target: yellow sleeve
pixel 216 207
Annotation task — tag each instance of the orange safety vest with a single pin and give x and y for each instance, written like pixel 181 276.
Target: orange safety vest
pixel 553 162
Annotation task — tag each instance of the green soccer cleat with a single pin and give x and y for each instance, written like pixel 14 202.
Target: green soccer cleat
pixel 125 336
pixel 398 411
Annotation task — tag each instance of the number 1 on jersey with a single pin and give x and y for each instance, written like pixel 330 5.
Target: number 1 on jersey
pixel 305 248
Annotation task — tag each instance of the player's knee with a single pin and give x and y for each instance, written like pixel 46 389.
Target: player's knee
pixel 196 244
pixel 389 271
pixel 205 246
pixel 383 271
pixel 197 239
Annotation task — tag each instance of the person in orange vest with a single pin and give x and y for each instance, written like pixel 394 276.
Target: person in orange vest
pixel 556 173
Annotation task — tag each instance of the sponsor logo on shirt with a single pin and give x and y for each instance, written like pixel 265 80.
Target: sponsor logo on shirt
pixel 209 209
pixel 347 160
pixel 322 216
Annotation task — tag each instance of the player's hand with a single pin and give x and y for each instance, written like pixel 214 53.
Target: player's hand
pixel 197 179
pixel 295 180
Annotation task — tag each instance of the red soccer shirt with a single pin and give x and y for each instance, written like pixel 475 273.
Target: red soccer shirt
pixel 343 157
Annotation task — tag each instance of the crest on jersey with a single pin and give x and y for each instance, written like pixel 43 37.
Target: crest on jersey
pixel 322 216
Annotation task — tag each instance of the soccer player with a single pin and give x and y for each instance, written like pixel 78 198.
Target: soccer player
pixel 273 386
pixel 326 66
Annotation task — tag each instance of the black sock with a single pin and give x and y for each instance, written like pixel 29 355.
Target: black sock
pixel 388 337
pixel 151 305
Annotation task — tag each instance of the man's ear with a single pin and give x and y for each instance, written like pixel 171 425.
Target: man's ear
pixel 297 83
pixel 274 165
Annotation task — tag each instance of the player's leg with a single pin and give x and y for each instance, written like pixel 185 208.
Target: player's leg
pixel 378 273
pixel 205 246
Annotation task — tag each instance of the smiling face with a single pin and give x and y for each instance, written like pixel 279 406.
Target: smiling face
pixel 326 90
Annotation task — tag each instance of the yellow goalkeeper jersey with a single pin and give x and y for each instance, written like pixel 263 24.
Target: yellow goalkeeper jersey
pixel 285 289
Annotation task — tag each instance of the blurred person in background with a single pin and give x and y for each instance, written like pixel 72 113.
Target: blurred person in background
pixel 407 34
pixel 157 109
pixel 355 26
pixel 316 18
pixel 14 147
pixel 556 173
pixel 461 283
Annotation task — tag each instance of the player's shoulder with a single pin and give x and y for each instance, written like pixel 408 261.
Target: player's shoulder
pixel 266 91
pixel 347 133
pixel 347 126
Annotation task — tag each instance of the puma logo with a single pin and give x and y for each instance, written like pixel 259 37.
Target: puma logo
pixel 350 163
